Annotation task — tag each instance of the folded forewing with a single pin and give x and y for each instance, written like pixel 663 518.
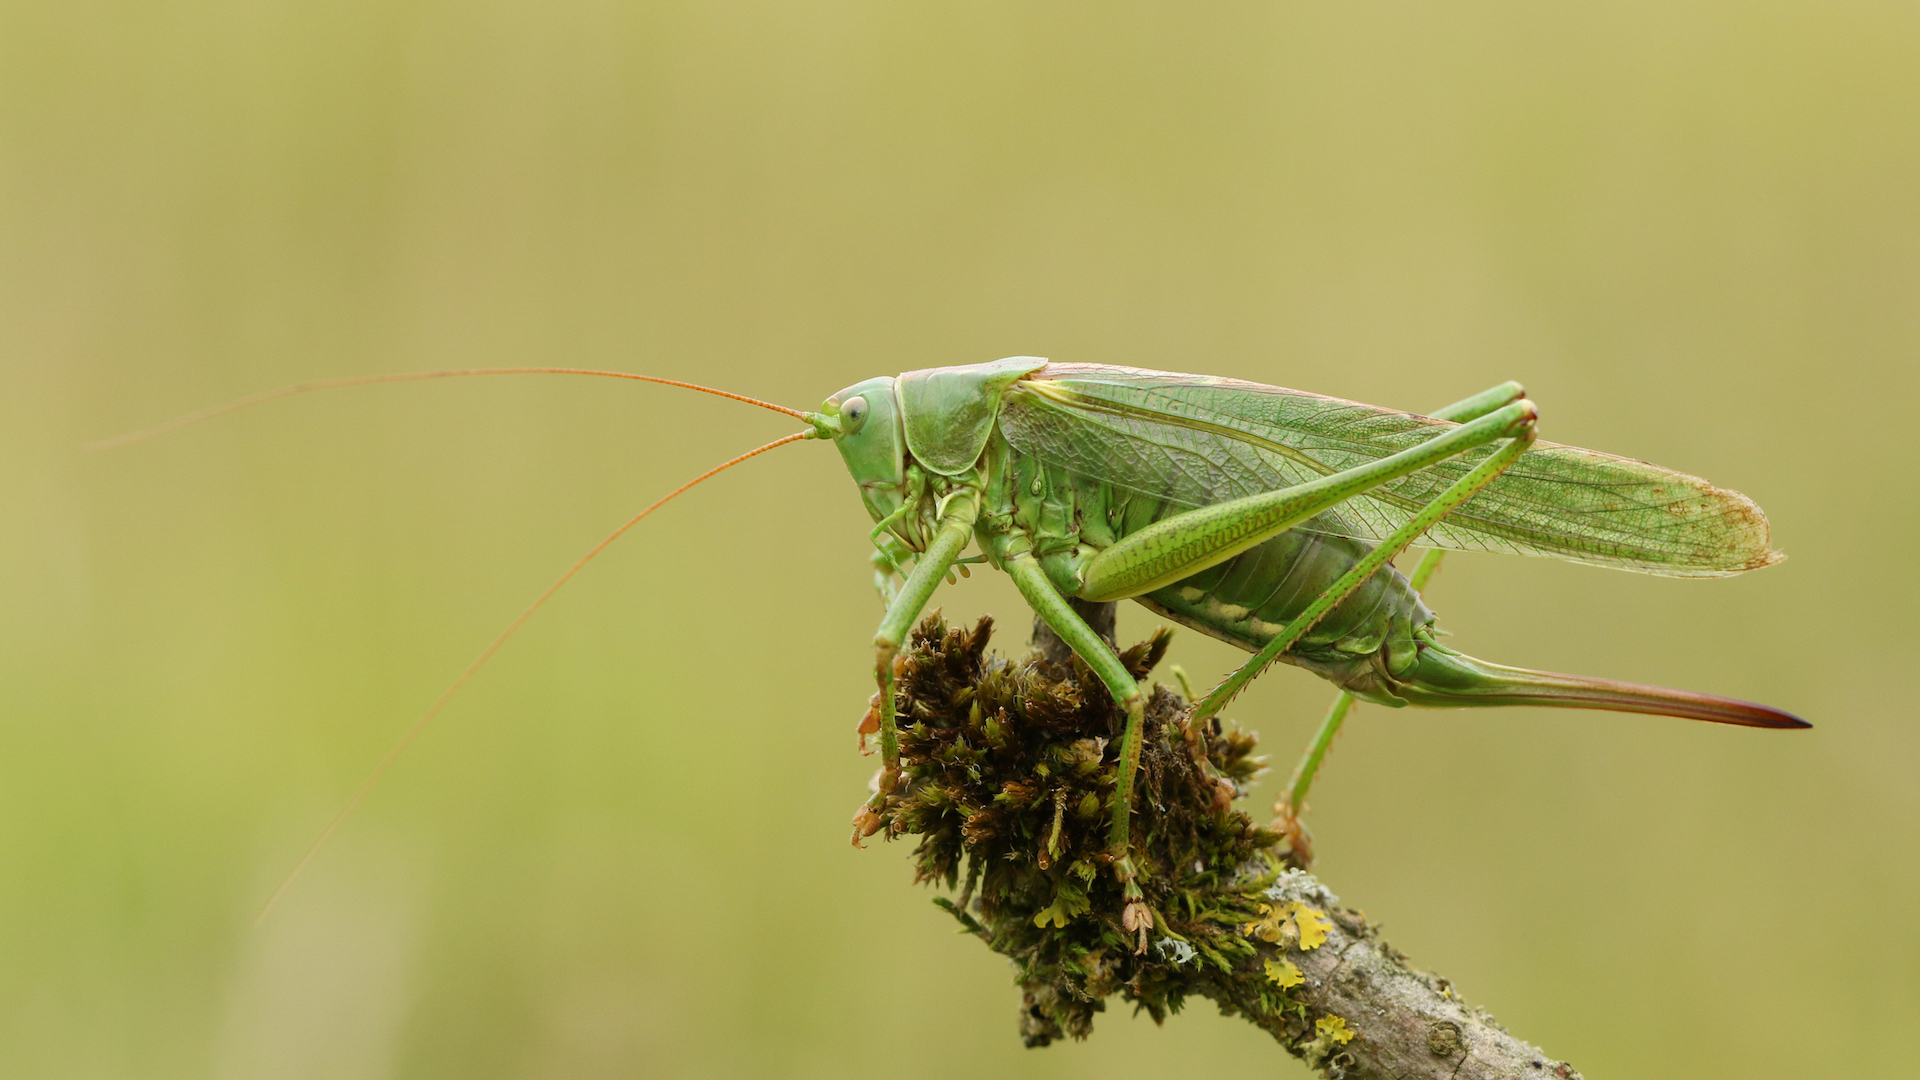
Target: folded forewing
pixel 1196 440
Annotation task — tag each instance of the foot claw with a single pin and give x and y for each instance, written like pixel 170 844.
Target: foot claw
pixel 1299 839
pixel 869 725
pixel 866 822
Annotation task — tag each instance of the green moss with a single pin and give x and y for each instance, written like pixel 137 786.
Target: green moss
pixel 1010 772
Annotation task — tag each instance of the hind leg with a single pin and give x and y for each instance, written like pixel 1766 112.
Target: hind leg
pixel 1429 516
pixel 1291 804
pixel 1292 801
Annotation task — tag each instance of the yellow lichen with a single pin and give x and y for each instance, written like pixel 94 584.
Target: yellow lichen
pixel 1291 923
pixel 1334 1028
pixel 1312 924
pixel 1283 974
pixel 1271 924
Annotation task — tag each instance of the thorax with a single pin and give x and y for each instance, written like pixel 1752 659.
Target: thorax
pixel 1062 515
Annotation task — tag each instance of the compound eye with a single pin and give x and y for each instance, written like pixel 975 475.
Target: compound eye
pixel 853 413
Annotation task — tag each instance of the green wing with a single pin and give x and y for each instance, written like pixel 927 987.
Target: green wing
pixel 1195 440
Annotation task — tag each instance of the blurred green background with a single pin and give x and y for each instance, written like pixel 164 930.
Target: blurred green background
pixel 1693 230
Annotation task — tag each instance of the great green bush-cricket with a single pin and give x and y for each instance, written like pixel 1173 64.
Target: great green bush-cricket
pixel 1262 516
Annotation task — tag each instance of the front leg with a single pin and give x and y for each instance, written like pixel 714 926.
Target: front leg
pixel 950 538
pixel 890 558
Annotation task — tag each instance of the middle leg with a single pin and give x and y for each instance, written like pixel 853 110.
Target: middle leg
pixel 1054 610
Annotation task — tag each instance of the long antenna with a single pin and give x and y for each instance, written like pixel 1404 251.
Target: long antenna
pixel 179 422
pixel 426 718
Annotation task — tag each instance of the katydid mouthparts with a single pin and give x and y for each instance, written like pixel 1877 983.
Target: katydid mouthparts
pixel 1262 516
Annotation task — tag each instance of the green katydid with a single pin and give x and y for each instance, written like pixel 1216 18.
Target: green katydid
pixel 1262 516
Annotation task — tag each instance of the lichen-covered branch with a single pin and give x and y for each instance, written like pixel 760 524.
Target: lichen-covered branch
pixel 1406 1023
pixel 1009 778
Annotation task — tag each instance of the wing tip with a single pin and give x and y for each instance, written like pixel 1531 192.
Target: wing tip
pixel 1767 556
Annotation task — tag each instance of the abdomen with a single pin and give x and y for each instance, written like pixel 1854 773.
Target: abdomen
pixel 1364 641
pixel 1367 639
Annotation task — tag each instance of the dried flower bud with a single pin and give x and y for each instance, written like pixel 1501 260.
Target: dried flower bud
pixel 1137 919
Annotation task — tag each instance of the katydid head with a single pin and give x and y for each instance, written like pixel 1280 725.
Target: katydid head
pixel 868 431
pixel 939 418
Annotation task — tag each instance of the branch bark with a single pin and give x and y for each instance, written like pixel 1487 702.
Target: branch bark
pixel 1409 1024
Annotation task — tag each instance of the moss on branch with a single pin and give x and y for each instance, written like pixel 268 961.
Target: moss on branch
pixel 1009 771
